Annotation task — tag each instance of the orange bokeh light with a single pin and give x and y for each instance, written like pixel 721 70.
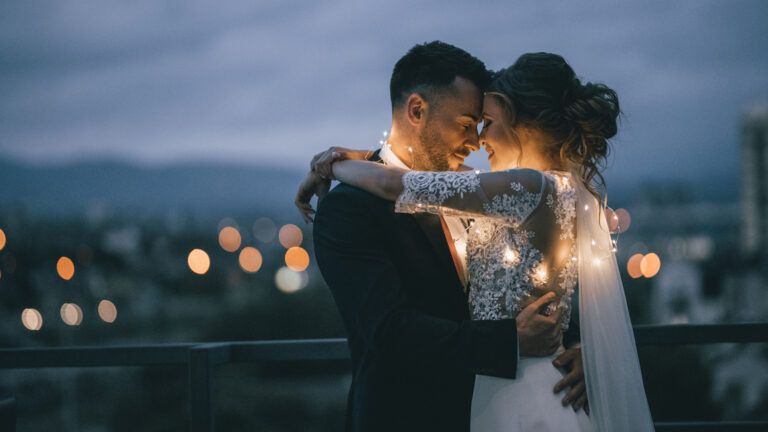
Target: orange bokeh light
pixel 290 235
pixel 250 259
pixel 297 259
pixel 198 261
pixel 65 268
pixel 229 239
pixel 2 239
pixel 633 266
pixel 650 265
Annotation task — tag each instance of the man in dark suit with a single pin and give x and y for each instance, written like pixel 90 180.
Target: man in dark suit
pixel 397 281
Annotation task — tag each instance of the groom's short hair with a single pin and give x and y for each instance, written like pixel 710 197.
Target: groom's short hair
pixel 430 67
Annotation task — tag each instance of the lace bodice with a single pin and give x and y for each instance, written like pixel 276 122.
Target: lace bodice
pixel 522 239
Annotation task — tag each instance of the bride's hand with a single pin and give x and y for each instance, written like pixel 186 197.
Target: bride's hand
pixel 322 163
pixel 313 184
pixel 572 362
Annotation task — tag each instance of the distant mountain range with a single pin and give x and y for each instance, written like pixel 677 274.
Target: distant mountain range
pixel 218 187
pixel 197 187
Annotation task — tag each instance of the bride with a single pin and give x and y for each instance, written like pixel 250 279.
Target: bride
pixel 538 228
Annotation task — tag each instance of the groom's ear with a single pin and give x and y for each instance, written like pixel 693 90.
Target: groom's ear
pixel 416 108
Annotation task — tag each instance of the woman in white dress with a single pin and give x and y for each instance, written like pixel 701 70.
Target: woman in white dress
pixel 537 228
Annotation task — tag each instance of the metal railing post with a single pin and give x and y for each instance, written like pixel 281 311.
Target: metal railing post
pixel 203 359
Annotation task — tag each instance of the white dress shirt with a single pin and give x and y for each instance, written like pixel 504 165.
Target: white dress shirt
pixel 455 223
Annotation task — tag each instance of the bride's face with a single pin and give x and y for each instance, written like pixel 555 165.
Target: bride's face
pixel 497 138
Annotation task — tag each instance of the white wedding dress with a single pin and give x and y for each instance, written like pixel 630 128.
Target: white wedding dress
pixel 521 244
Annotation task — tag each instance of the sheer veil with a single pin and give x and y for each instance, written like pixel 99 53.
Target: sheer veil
pixel 615 390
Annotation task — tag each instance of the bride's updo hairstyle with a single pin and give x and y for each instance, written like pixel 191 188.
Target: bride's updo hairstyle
pixel 541 91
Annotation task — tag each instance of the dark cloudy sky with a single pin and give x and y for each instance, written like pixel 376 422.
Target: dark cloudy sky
pixel 271 82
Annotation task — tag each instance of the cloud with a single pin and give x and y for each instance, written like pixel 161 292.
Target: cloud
pixel 275 81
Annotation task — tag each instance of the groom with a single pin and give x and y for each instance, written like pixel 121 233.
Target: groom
pixel 398 279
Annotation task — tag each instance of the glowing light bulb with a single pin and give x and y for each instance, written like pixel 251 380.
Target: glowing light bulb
pixel 540 275
pixel 510 256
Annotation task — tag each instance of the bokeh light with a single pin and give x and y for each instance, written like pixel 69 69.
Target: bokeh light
pixel 65 268
pixel 290 235
pixel 71 314
pixel 264 230
pixel 297 259
pixel 624 219
pixel 650 265
pixel 250 259
pixel 633 266
pixel 289 281
pixel 198 261
pixel 612 219
pixel 32 319
pixel 229 239
pixel 107 311
pixel 2 239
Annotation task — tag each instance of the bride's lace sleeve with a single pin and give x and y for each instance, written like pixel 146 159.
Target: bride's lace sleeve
pixel 511 194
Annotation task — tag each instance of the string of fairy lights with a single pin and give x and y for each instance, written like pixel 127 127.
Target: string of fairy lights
pixel 618 222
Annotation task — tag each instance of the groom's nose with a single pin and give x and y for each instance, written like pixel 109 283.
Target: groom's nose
pixel 473 145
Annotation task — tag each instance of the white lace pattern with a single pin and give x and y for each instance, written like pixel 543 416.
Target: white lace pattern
pixel 512 246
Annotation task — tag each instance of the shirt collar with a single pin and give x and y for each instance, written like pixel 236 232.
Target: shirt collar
pixel 390 158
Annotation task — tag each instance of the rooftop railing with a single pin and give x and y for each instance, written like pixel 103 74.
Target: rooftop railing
pixel 201 360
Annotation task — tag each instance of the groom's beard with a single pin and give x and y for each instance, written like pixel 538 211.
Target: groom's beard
pixel 433 155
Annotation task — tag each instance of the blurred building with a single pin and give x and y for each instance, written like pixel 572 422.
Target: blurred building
pixel 754 198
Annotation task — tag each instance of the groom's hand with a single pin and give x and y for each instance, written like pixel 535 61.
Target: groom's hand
pixel 572 362
pixel 538 335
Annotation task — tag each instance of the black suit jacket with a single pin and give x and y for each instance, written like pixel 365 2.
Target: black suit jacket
pixel 413 347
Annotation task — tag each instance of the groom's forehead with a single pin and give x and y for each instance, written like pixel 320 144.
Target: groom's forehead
pixel 465 95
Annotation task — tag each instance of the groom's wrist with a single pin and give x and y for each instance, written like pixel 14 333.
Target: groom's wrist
pixel 495 348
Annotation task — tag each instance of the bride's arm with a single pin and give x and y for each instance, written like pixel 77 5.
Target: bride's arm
pixel 381 180
pixel 348 166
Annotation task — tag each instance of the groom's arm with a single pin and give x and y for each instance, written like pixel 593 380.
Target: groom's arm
pixel 368 292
